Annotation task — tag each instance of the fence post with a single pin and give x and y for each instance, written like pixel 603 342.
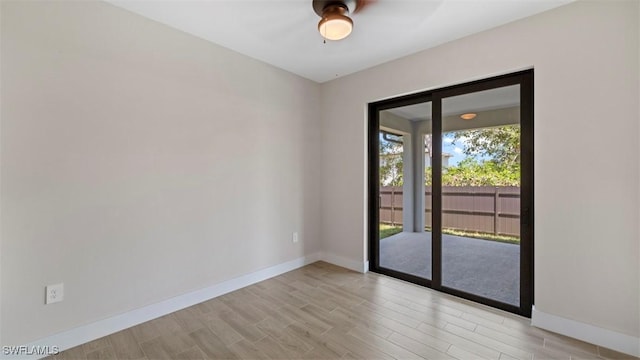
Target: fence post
pixel 496 209
pixel 393 217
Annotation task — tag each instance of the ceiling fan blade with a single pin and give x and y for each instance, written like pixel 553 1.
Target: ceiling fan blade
pixel 362 4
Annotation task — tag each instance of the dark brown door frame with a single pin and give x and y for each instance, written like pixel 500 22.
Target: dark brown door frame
pixel 525 80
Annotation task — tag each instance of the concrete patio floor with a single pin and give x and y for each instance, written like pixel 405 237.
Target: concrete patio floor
pixel 487 268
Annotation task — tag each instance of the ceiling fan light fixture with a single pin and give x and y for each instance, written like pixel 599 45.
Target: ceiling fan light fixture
pixel 335 24
pixel 468 116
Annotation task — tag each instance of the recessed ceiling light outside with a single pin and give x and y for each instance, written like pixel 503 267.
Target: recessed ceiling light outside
pixel 468 116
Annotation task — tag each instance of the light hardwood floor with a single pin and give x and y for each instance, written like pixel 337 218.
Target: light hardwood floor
pixel 322 311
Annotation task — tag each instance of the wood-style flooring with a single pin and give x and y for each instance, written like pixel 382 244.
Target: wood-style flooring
pixel 322 311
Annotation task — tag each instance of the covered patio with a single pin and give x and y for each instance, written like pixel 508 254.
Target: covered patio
pixel 482 267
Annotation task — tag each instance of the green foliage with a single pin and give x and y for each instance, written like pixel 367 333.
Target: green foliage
pixel 471 172
pixel 493 158
pixel 483 236
pixel 388 230
pixel 391 170
pixel 501 144
pixel 390 163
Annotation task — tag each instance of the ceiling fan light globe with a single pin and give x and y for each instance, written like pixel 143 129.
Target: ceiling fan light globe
pixel 335 24
pixel 335 28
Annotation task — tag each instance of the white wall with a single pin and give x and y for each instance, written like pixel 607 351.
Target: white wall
pixel 585 57
pixel 139 163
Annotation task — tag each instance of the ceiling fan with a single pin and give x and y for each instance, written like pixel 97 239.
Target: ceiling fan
pixel 335 23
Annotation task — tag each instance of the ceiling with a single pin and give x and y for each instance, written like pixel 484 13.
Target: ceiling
pixel 284 33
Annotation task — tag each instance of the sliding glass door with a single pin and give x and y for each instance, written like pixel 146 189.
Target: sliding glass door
pixel 451 190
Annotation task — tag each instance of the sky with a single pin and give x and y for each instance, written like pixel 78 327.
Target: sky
pixel 453 149
pixel 456 149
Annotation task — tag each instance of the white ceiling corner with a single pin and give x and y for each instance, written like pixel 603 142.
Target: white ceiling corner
pixel 283 33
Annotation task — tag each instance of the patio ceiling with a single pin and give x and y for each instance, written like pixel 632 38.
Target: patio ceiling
pixel 493 107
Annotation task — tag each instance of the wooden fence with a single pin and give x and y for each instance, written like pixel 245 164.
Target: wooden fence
pixel 483 209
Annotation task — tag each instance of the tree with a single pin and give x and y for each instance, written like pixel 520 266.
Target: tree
pixel 500 144
pixel 391 164
pixel 493 158
pixel 470 172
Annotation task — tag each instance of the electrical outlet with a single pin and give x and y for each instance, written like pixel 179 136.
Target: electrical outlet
pixel 54 293
pixel 294 238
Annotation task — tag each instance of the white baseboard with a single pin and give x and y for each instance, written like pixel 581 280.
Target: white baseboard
pixel 83 334
pixel 359 266
pixel 606 338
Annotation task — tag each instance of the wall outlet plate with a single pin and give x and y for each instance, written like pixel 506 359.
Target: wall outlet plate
pixel 54 293
pixel 294 237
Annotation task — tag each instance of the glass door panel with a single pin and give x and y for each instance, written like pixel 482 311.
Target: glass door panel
pixel 480 194
pixel 404 158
